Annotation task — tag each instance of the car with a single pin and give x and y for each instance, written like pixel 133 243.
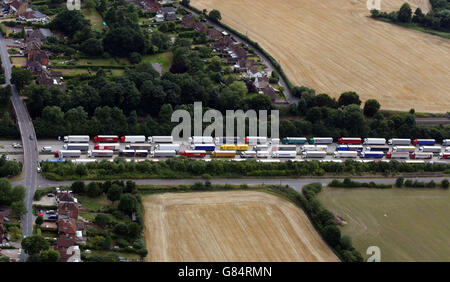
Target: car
pixel 38 169
pixel 50 212
pixel 31 137
pixel 41 212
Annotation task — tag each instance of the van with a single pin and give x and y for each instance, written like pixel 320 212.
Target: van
pixel 46 149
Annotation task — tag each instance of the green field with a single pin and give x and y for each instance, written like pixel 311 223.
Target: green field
pixel 94 17
pixel 165 59
pixel 406 224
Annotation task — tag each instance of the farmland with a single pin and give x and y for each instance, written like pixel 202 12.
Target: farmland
pixel 406 224
pixel 229 226
pixel 333 47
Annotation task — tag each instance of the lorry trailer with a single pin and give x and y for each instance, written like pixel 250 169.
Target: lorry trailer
pixel 345 154
pixel 223 154
pixel 83 161
pixel 127 153
pixel 248 154
pixel 107 146
pixel 172 146
pixel 374 141
pixel 133 139
pixel 314 148
pixel 294 140
pixel 314 154
pixel 101 153
pixel 284 154
pixel 403 149
pixel 262 154
pixel 444 155
pixel 321 140
pixel 205 147
pixel 429 142
pixel 242 147
pixel 76 139
pixel 349 140
pixel 432 149
pixel 399 141
pixel 76 146
pixel 228 147
pixel 287 148
pixel 227 140
pixel 255 140
pixel 106 138
pixel 378 148
pixel 372 155
pixel 68 154
pixel 194 153
pixel 261 148
pixel 164 153
pixel 201 140
pixel 160 139
pixel 446 142
pixel 397 155
pixel 138 146
pixel 421 155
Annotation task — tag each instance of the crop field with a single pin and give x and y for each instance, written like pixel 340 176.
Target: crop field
pixel 333 47
pixel 406 224
pixel 229 226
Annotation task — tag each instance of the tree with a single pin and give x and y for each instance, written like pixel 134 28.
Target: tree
pixel 50 256
pixel 78 187
pixel 348 98
pixel 18 208
pixel 346 242
pixel 107 243
pixel 34 244
pixel 135 58
pixel 92 47
pixel 117 41
pixel 185 3
pixel 331 234
pixel 128 204
pixel 39 220
pixel 399 182
pixel 121 229
pixel 405 13
pixel 102 220
pixel 89 5
pixel 17 193
pixel 94 189
pixel 215 15
pixel 114 193
pixel 5 191
pixel 445 183
pixel 69 22
pixel 371 107
pixel 134 229
pixel 20 77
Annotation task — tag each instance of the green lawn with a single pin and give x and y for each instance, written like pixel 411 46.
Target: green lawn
pixel 165 59
pixel 19 61
pixel 93 204
pixel 94 17
pixel 406 224
pixel 72 71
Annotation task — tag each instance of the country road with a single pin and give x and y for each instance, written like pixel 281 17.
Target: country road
pixel 29 145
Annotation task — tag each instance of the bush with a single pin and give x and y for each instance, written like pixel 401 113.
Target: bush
pixel 445 183
pixel 399 182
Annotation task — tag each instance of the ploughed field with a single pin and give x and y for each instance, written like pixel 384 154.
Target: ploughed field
pixel 406 224
pixel 229 226
pixel 333 47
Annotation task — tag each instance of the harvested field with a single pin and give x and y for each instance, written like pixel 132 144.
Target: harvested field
pixel 229 226
pixel 333 47
pixel 406 224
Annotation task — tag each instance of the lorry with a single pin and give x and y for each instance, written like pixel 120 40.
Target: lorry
pixel 374 141
pixel 432 149
pixel 76 139
pixel 242 147
pixel 133 139
pixel 403 149
pixel 345 154
pixel 46 149
pixel 141 153
pixel 68 154
pixel 160 139
pixel 321 140
pixel 314 148
pixel 106 138
pixel 138 146
pixel 127 153
pixel 378 148
pixel 201 140
pixel 372 154
pixel 284 154
pixel 429 142
pixel 314 154
pixel 446 142
pixel 262 154
pixel 76 146
pixel 227 140
pixel 248 154
pixel 172 146
pixel 62 160
pixel 287 148
pixel 164 153
pixel 101 153
pixel 194 153
pixel 421 155
pixel 227 147
pixel 294 140
pixel 275 141
pixel 349 140
pixel 399 141
pixel 107 146
pixel 357 148
pixel 397 155
pixel 255 140
pixel 261 148
pixel 205 147
pixel 223 154
pixel 444 155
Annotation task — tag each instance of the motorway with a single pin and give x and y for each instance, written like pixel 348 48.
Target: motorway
pixel 28 142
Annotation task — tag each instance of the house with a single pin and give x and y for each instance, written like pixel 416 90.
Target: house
pixel 244 64
pixel 200 27
pixel 169 13
pixel 33 44
pixel 150 5
pixel 37 55
pixel 67 226
pixel 49 78
pixel 68 210
pixel 214 34
pixel 254 72
pixel 239 51
pixel 170 17
pixel 41 33
pixel 64 196
pixel 223 43
pixel 34 67
pixel 18 7
pixel 269 91
pixel 33 16
pixel 63 243
pixel 262 82
pixel 188 20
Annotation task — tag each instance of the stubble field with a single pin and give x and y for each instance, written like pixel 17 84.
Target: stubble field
pixel 333 47
pixel 229 226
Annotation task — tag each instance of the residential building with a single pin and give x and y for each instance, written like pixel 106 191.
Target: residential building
pixel 67 226
pixel 68 210
pixel 188 20
pixel 18 7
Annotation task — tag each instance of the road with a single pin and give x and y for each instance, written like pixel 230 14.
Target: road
pixel 29 145
pixel 270 67
pixel 433 121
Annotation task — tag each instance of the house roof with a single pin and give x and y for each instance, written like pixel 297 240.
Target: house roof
pixel 64 197
pixel 166 10
pixel 64 242
pixel 188 20
pixel 16 4
pixel 67 225
pixel 200 27
pixel 170 17
pixel 214 34
pixel 270 92
pixel 262 82
pixel 68 208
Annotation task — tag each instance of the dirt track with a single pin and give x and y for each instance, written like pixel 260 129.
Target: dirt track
pixel 229 226
pixel 332 46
